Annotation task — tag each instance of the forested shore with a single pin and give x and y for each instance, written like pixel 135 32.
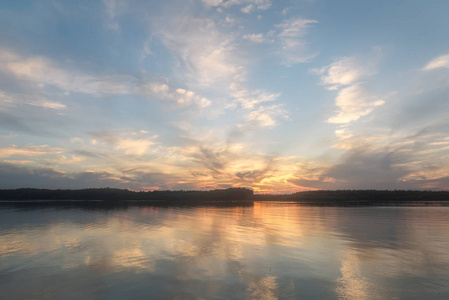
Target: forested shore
pixel 112 194
pixel 234 195
pixel 359 197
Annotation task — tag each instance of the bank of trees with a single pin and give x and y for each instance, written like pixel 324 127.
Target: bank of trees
pixel 242 195
pixel 352 197
pixel 112 194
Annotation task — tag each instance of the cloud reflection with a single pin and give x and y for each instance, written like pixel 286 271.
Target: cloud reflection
pixel 261 252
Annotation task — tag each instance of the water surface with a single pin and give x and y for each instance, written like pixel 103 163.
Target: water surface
pixel 266 251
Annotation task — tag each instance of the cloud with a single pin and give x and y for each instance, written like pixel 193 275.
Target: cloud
pixel 113 9
pixel 353 103
pixel 250 99
pixel 212 2
pixel 210 159
pixel 255 38
pixel 264 116
pixel 371 162
pixel 179 97
pixel 6 100
pixel 395 166
pixel 390 150
pixel 347 75
pixel 288 37
pixel 147 180
pixel 48 104
pixel 205 52
pixel 294 27
pixel 42 71
pixel 247 9
pixel 364 168
pixel 14 100
pixel 211 61
pixel 343 72
pixel 14 176
pixel 438 63
pixel 375 156
pixel 30 151
pixel 293 48
pixel 185 98
pixel 134 144
pixel 110 158
pixel 134 147
pixel 15 123
pixel 40 155
pixel 249 5
pixel 381 160
pixel 256 175
pixel 88 153
pixel 285 11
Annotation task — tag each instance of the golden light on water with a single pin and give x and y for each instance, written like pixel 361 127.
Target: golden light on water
pixel 256 244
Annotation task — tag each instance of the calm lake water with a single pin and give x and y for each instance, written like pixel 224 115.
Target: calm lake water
pixel 266 251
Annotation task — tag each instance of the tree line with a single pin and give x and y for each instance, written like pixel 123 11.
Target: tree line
pixel 235 195
pixel 353 197
pixel 113 194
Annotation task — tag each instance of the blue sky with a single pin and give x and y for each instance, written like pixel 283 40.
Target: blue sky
pixel 277 96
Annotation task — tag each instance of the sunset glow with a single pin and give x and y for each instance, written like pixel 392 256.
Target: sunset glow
pixel 276 96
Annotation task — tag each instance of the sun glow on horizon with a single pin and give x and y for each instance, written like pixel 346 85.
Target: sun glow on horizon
pixel 277 96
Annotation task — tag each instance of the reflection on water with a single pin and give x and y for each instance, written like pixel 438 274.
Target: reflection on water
pixel 267 251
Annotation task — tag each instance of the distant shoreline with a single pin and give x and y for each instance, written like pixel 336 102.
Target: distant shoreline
pixel 232 196
pixel 240 195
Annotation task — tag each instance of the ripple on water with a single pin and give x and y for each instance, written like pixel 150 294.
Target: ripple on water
pixel 261 252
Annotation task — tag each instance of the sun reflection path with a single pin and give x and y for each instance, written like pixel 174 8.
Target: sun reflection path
pixel 267 251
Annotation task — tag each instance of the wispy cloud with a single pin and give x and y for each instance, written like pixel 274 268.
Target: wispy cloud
pixel 135 147
pixel 387 162
pixel 437 63
pixel 347 76
pixel 30 151
pixel 265 116
pixel 113 10
pixel 295 27
pixel 15 176
pixel 43 72
pixel 343 72
pixel 249 5
pixel 294 48
pixel 251 98
pixel 15 100
pixel 256 38
pixel 205 52
pixel 353 103
pixel 134 144
pixel 288 38
pixel 212 61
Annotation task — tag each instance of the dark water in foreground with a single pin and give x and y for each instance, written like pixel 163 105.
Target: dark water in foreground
pixel 268 251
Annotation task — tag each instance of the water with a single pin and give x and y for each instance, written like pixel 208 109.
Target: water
pixel 269 251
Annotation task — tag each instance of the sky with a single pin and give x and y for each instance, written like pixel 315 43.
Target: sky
pixel 276 96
